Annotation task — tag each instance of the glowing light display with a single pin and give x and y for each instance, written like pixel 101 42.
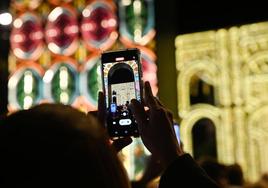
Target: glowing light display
pixel 62 31
pixel 99 25
pixel 61 82
pixel 5 18
pixel 55 54
pixel 25 87
pixel 78 31
pixel 234 62
pixel 27 37
pixel 137 21
pixel 90 80
pixel 26 4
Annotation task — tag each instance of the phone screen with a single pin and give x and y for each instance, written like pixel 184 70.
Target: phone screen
pixel 122 82
pixel 177 132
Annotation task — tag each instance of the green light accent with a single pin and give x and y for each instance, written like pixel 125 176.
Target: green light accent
pixel 55 86
pixel 20 89
pixel 134 21
pixel 94 81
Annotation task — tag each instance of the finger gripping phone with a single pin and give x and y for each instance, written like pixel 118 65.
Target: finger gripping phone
pixel 122 78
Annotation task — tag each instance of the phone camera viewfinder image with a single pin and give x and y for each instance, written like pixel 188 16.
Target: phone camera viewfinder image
pixel 122 83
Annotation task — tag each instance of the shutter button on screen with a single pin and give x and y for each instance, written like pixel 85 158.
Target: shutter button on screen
pixel 125 122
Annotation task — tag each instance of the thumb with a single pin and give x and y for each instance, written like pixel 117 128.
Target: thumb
pixel 120 143
pixel 138 111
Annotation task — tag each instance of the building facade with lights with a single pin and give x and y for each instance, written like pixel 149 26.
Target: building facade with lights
pixel 234 63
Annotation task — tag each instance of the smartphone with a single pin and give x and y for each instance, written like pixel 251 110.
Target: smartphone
pixel 177 132
pixel 122 82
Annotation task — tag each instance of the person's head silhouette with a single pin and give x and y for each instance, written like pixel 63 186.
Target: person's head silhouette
pixel 53 145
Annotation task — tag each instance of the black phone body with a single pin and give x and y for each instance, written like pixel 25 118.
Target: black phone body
pixel 122 82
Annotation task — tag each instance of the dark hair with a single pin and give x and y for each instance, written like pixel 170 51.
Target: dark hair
pixel 235 175
pixel 214 169
pixel 53 145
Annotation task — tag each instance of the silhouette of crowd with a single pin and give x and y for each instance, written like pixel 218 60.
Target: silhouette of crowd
pixel 55 145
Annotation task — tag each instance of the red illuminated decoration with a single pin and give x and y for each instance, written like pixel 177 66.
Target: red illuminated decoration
pixel 149 69
pixel 55 54
pixel 62 31
pixel 66 37
pixel 99 24
pixel 27 37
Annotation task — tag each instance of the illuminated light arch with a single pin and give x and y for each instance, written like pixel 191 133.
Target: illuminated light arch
pixel 108 66
pixel 184 79
pixel 241 57
pixel 256 61
pixel 255 73
pixel 259 133
pixel 255 169
pixel 198 111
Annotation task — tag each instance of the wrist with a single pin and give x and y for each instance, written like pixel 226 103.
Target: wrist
pixel 138 184
pixel 172 156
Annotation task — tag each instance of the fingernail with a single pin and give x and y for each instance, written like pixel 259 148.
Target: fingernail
pixel 132 104
pixel 133 101
pixel 147 84
pixel 129 139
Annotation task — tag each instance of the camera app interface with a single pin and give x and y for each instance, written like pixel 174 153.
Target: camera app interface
pixel 122 83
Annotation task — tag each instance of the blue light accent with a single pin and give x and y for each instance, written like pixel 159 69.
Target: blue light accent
pixel 113 107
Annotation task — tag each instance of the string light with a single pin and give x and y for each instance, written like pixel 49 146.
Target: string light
pixel 235 63
pixel 5 18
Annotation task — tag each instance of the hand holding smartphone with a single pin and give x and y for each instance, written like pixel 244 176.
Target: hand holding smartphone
pixel 122 82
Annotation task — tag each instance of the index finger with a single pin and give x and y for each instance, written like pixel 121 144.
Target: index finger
pixel 139 112
pixel 149 97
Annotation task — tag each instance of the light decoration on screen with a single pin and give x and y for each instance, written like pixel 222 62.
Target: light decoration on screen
pixel 234 62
